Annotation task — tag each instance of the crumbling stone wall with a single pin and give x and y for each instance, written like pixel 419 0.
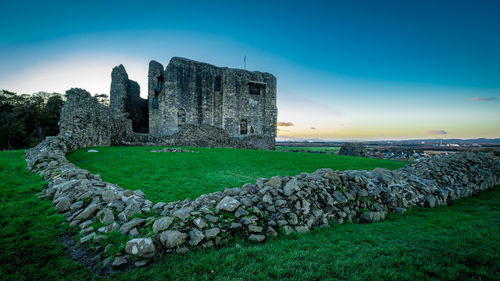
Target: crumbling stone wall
pixel 188 92
pixel 126 103
pixel 270 207
pixel 84 122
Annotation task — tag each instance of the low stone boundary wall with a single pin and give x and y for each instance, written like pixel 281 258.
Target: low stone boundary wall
pixel 270 207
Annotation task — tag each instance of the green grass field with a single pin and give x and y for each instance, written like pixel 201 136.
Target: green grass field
pixel 447 243
pixel 175 176
pixel 326 149
pixel 30 227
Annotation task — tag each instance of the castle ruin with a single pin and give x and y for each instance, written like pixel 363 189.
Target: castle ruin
pixel 194 103
pixel 256 212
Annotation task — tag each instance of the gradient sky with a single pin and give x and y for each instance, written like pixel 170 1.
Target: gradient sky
pixel 345 69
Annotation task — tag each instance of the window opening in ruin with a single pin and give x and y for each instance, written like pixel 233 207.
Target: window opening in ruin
pixel 158 84
pixel 181 117
pixel 252 130
pixel 218 84
pixel 138 111
pixel 157 88
pixel 243 127
pixel 254 89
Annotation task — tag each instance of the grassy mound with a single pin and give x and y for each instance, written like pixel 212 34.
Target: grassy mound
pixel 447 243
pixel 176 176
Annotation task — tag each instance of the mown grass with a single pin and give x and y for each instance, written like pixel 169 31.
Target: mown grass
pixel 460 242
pixel 176 176
pixel 448 243
pixel 326 149
pixel 30 247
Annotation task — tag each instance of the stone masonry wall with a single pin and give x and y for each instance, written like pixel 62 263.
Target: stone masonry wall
pixel 137 121
pixel 212 96
pixel 269 207
pixel 129 112
pixel 84 122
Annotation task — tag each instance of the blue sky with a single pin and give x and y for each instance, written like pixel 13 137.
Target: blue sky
pixel 345 69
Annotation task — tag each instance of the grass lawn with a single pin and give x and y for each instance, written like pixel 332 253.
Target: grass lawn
pixel 175 176
pixel 30 248
pixel 327 149
pixel 460 242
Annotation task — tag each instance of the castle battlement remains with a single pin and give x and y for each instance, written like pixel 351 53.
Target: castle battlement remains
pixel 218 106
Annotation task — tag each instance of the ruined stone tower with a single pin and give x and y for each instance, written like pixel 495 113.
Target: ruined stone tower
pixel 199 102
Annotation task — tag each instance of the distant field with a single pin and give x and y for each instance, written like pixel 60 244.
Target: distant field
pixel 327 149
pixel 460 242
pixel 176 176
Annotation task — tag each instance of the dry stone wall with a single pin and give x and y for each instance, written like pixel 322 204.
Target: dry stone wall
pixel 270 207
pixel 101 211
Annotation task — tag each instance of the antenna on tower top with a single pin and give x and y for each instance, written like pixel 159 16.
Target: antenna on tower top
pixel 245 62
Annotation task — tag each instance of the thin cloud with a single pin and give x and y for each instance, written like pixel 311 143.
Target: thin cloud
pixel 437 132
pixel 289 138
pixel 285 124
pixel 484 99
pixel 282 130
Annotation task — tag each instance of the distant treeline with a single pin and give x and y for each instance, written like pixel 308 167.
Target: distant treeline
pixel 25 120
